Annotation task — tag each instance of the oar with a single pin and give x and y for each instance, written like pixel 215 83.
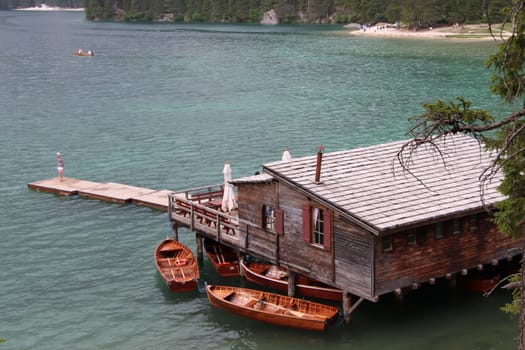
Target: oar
pixel 222 256
pixel 217 254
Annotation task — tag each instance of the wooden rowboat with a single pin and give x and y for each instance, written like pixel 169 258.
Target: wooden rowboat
pixel 272 308
pixel 83 53
pixel 176 265
pixel 276 277
pixel 224 259
pixel 478 283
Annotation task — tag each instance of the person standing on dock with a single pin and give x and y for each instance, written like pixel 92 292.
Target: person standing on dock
pixel 60 166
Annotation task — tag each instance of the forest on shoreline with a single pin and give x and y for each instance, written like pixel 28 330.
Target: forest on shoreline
pixel 412 13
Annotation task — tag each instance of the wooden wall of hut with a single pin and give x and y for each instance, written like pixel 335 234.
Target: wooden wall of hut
pixel 354 258
pixel 251 197
pixel 347 265
pixel 420 254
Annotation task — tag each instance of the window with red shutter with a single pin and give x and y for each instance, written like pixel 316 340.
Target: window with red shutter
pixel 307 224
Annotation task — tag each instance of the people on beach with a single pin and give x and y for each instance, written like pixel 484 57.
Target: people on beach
pixel 60 167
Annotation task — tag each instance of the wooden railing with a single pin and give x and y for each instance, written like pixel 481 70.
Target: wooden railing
pixel 199 210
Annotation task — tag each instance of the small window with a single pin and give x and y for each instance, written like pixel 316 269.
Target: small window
pixel 387 244
pixel 411 238
pixel 472 222
pixel 268 218
pixel 421 237
pixel 457 226
pixel 438 230
pixel 318 226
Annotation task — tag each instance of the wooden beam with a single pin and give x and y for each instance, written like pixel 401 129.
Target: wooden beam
pixel 291 283
pixel 415 286
pixel 464 272
pixel 448 276
pixel 494 262
pixel 480 267
pixel 347 305
pixel 432 281
pixel 199 243
pixel 175 230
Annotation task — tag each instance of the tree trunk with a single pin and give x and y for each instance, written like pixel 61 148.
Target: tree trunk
pixel 521 340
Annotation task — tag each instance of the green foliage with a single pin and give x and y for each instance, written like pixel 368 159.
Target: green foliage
pixel 513 308
pixel 416 13
pixel 441 118
pixel 509 78
pixel 510 214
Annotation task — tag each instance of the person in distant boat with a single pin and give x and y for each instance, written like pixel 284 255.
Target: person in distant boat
pixel 60 167
pixel 80 51
pixel 90 53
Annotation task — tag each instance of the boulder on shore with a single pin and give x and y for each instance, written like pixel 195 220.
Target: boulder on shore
pixel 270 17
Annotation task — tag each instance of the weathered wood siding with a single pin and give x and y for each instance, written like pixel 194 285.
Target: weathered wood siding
pixel 354 258
pixel 348 265
pixel 434 258
pixel 251 198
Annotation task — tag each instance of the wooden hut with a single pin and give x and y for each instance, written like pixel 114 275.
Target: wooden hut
pixel 358 221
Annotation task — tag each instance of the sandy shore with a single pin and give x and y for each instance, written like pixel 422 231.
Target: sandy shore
pixel 471 32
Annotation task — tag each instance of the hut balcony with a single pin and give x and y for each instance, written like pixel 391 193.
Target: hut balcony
pixel 199 209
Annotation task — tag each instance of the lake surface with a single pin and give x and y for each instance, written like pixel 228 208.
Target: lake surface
pixel 164 106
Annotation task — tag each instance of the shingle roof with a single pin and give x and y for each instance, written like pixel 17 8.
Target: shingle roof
pixel 370 186
pixel 259 178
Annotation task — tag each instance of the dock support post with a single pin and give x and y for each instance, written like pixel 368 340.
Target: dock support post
pixel 240 257
pixel 451 280
pixel 199 243
pixel 175 230
pixel 400 294
pixel 347 306
pixel 291 283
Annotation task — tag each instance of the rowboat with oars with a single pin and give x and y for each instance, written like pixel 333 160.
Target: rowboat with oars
pixel 176 265
pixel 272 308
pixel 223 258
pixel 276 277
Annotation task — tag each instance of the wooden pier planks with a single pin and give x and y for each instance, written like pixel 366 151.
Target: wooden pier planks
pixel 108 191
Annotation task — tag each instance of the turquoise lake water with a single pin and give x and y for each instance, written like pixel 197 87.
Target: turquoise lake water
pixel 164 106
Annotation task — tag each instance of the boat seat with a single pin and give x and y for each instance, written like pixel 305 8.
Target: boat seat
pixel 252 302
pixel 229 296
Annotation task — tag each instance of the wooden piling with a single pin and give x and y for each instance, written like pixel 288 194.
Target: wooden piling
pixel 347 306
pixel 291 283
pixel 200 249
pixel 175 230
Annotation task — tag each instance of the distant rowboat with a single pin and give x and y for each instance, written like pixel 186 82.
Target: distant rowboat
pixel 83 53
pixel 272 308
pixel 176 265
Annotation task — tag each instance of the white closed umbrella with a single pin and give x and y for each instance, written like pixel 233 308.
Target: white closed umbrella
pixel 228 197
pixel 286 155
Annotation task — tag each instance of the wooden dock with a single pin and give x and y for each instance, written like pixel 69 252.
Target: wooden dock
pixel 107 191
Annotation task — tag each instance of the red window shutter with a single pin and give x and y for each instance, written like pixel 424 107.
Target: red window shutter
pixel 328 223
pixel 307 224
pixel 279 221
